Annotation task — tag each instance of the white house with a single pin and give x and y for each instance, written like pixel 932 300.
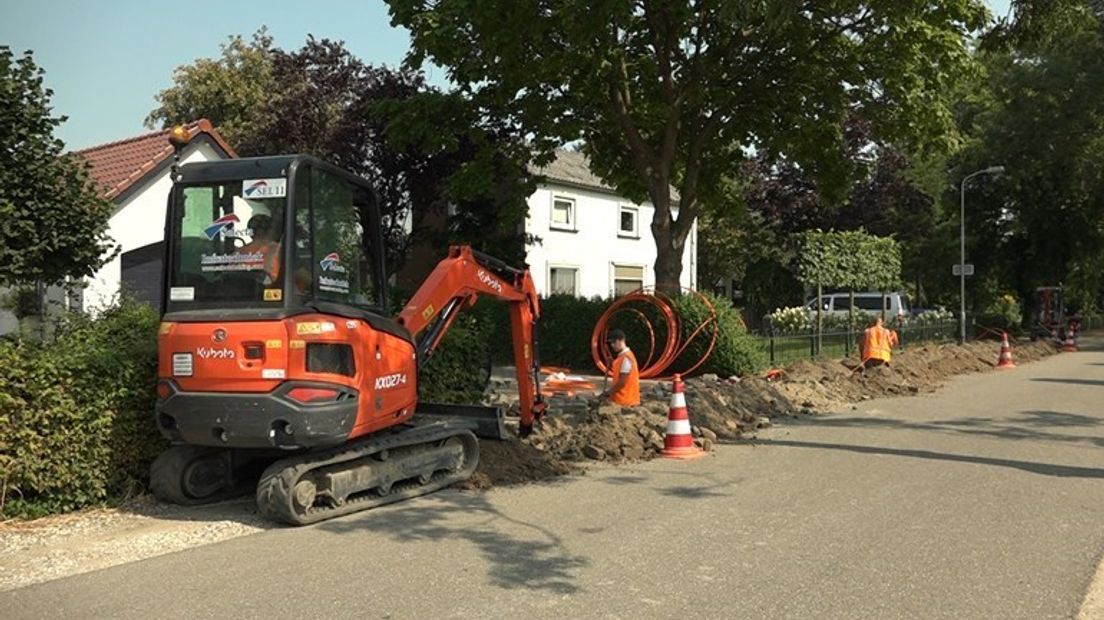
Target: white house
pixel 593 242
pixel 135 176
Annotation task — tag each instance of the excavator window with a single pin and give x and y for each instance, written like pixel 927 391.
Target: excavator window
pixel 338 268
pixel 228 247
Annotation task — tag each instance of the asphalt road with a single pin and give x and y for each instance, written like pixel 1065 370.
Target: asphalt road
pixel 985 500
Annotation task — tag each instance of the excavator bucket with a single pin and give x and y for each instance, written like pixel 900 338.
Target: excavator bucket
pixel 484 422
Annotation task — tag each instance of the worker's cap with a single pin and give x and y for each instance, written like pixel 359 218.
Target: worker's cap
pixel 614 335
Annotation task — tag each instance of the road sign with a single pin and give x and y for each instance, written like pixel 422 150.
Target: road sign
pixel 960 270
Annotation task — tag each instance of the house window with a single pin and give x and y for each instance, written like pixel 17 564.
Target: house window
pixel 627 222
pixel 626 279
pixel 563 213
pixel 563 281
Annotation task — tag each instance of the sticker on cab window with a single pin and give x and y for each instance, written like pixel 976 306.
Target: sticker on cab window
pixel 328 282
pixel 182 293
pixel 245 261
pixel 264 188
pixel 273 294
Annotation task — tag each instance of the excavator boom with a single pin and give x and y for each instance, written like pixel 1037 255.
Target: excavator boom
pixel 456 283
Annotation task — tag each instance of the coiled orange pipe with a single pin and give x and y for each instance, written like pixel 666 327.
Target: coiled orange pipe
pixel 674 346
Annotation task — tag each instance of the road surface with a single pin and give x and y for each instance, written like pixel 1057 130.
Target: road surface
pixel 984 500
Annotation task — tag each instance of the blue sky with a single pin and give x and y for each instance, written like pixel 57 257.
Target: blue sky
pixel 106 60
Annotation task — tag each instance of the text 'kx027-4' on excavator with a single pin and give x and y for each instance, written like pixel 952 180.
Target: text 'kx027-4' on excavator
pixel 275 350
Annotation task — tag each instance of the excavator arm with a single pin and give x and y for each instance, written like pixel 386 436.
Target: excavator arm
pixel 456 283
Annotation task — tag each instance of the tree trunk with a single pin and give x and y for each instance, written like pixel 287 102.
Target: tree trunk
pixel 850 316
pixel 820 317
pixel 668 268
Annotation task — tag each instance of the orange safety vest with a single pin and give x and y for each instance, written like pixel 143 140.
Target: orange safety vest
pixel 628 394
pixel 270 253
pixel 878 343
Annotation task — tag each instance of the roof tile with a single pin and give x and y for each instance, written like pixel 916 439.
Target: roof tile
pixel 118 165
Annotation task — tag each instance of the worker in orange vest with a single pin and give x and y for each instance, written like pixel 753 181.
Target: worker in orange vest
pixel 626 372
pixel 264 245
pixel 877 345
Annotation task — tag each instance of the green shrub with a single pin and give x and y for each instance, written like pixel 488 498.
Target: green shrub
pixel 76 423
pixel 457 372
pixel 841 322
pixel 1003 313
pixel 793 320
pixel 736 352
pixel 937 316
pixel 565 328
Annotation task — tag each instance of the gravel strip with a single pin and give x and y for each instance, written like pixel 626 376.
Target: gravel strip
pixel 55 547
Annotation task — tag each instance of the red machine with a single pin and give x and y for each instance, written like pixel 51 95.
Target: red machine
pixel 1050 314
pixel 275 349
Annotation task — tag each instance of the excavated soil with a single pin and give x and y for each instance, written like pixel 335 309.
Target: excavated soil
pixel 514 462
pixel 578 429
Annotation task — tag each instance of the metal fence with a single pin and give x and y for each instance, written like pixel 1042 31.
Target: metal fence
pixel 785 348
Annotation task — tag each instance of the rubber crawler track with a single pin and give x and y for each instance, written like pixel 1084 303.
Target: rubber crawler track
pixel 274 491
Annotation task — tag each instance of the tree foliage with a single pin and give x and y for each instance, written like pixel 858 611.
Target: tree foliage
pixel 673 93
pixel 851 260
pixel 230 91
pixel 423 149
pixel 1042 222
pixel 53 222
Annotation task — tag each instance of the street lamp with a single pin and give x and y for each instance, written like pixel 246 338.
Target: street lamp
pixel 962 250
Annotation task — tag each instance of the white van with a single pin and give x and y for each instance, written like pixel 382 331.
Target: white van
pixel 835 304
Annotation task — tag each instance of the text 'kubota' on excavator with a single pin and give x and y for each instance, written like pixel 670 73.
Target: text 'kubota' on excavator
pixel 275 350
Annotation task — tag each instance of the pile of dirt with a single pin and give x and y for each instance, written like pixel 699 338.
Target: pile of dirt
pixel 832 383
pixel 514 462
pixel 576 428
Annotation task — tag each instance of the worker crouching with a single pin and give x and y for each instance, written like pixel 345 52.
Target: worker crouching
pixel 626 373
pixel 877 344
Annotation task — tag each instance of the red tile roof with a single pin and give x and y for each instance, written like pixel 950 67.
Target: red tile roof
pixel 118 165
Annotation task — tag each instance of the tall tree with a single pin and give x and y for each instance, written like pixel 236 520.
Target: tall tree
pixel 53 222
pixel 427 153
pixel 1043 222
pixel 673 93
pixel 230 90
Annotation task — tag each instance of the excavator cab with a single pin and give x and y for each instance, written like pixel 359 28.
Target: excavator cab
pixel 270 235
pixel 276 346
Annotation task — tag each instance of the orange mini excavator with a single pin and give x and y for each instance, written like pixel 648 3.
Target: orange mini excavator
pixel 275 350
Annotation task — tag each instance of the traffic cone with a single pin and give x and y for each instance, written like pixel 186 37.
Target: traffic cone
pixel 678 442
pixel 1070 346
pixel 1005 359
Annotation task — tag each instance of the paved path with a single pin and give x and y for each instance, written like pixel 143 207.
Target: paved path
pixel 985 500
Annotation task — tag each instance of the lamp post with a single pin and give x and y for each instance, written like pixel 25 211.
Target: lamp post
pixel 962 250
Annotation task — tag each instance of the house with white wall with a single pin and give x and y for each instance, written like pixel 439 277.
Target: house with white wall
pixel 134 175
pixel 592 241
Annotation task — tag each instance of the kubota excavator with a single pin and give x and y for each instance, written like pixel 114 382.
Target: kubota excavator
pixel 274 343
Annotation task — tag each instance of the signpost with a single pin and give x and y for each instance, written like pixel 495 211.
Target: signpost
pixel 963 270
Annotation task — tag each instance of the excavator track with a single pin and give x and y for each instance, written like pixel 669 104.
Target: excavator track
pixel 378 470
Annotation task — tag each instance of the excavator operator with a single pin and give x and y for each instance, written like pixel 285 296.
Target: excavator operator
pixel 626 382
pixel 263 244
pixel 878 343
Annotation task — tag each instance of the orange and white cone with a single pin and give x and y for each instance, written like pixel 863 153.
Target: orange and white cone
pixel 678 442
pixel 1005 359
pixel 1070 346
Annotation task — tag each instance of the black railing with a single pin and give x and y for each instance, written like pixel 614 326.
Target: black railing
pixel 785 348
